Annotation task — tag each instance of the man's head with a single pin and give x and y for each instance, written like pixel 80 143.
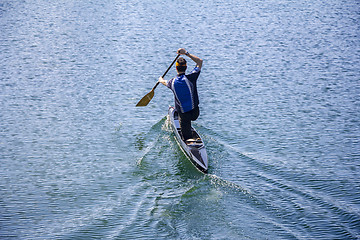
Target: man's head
pixel 181 65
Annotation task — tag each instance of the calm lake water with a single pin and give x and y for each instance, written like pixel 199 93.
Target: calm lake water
pixel 280 116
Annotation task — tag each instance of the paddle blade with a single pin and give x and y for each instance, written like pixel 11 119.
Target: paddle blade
pixel 146 99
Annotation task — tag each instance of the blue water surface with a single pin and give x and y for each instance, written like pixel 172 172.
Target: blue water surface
pixel 280 115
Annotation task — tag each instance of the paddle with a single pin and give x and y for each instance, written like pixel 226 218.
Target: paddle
pixel 147 98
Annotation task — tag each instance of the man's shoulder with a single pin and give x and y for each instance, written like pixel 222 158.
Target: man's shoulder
pixel 196 70
pixel 194 74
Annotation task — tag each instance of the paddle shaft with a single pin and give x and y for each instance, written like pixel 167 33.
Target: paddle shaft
pixel 167 70
pixel 147 98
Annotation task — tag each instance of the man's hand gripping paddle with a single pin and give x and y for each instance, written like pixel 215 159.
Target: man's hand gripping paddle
pixel 147 98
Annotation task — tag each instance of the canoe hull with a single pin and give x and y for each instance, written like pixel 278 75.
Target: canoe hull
pixel 195 151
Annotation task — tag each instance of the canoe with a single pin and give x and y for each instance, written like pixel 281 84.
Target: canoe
pixel 194 149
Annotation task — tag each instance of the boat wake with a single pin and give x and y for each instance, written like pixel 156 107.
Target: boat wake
pixel 218 181
pixel 146 142
pixel 269 190
pixel 282 192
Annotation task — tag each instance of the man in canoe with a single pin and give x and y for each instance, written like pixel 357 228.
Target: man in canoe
pixel 185 92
